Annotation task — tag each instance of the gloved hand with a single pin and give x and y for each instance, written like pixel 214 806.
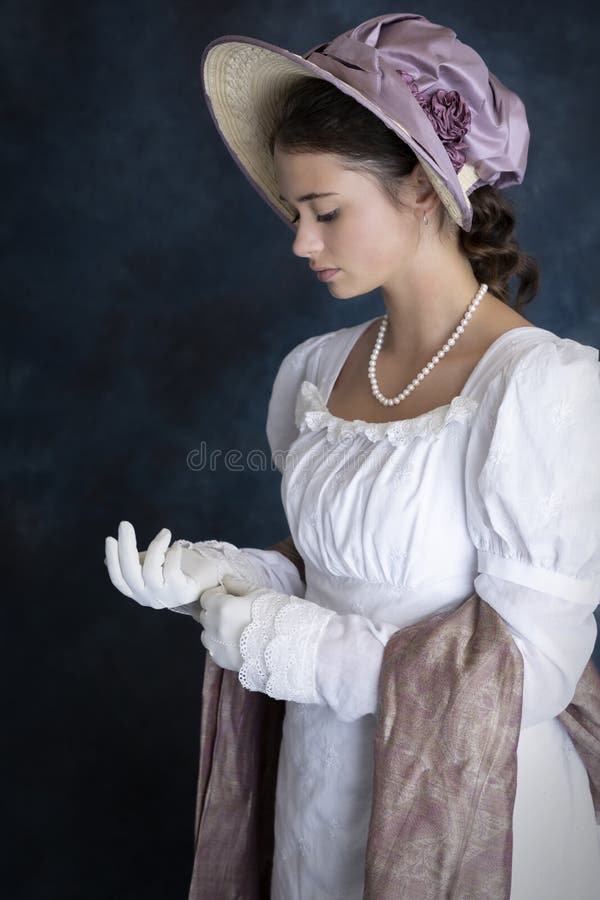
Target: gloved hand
pixel 225 613
pixel 171 578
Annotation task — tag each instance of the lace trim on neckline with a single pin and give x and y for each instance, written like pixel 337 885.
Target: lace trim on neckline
pixel 312 414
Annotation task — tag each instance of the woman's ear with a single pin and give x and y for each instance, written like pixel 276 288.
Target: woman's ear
pixel 425 198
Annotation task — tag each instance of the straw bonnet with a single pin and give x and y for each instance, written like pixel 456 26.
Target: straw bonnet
pixel 433 91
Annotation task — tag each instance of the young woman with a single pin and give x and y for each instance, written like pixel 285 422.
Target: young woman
pixel 445 447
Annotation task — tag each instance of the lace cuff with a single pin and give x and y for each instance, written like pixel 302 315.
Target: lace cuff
pixel 227 559
pixel 279 647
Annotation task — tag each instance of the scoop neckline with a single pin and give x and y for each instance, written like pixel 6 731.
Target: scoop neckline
pixel 479 364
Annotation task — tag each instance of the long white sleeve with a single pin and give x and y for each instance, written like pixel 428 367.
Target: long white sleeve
pixel 533 512
pixel 276 571
pixel 296 650
pixel 348 664
pixel 555 636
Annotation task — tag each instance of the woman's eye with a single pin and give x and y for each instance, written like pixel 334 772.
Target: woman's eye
pixel 327 217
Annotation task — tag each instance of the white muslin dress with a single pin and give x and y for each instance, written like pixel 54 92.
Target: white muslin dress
pixel 498 492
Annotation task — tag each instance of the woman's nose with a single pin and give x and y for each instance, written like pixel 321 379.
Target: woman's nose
pixel 307 241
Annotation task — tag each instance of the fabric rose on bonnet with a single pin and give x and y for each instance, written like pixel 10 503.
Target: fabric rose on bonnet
pixel 449 115
pixel 451 118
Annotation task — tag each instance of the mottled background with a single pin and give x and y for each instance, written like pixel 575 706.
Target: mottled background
pixel 148 298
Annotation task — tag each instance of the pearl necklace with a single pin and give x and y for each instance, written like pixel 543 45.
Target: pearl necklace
pixel 393 401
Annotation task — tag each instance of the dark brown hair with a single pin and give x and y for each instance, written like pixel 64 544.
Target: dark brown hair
pixel 316 117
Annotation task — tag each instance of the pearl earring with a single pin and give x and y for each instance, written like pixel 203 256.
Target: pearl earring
pixel 425 219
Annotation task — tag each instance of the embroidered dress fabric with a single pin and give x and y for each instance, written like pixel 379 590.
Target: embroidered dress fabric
pixel 498 492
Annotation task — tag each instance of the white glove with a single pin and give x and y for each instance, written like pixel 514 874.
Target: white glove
pixel 206 560
pixel 172 578
pixel 225 612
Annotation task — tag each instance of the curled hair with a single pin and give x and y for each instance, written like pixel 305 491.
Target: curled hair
pixel 316 117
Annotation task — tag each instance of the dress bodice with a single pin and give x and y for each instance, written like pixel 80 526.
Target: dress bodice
pixel 385 505
pixel 358 501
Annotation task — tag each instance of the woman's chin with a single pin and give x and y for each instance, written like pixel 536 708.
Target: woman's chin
pixel 346 291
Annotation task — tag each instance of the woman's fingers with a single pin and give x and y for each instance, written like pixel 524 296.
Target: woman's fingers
pixel 212 597
pixel 153 577
pixel 172 564
pixel 129 558
pixel 152 570
pixel 111 551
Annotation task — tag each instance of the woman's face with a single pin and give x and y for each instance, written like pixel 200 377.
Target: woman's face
pixel 356 229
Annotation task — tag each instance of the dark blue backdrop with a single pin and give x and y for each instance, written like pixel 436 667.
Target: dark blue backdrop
pixel 149 296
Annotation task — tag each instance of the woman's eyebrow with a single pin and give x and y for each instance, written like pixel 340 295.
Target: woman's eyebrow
pixel 309 197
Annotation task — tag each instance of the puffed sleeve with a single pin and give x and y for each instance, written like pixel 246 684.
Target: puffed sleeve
pixel 533 513
pixel 278 572
pixel 295 367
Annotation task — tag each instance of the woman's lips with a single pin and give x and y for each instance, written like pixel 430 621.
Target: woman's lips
pixel 326 274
